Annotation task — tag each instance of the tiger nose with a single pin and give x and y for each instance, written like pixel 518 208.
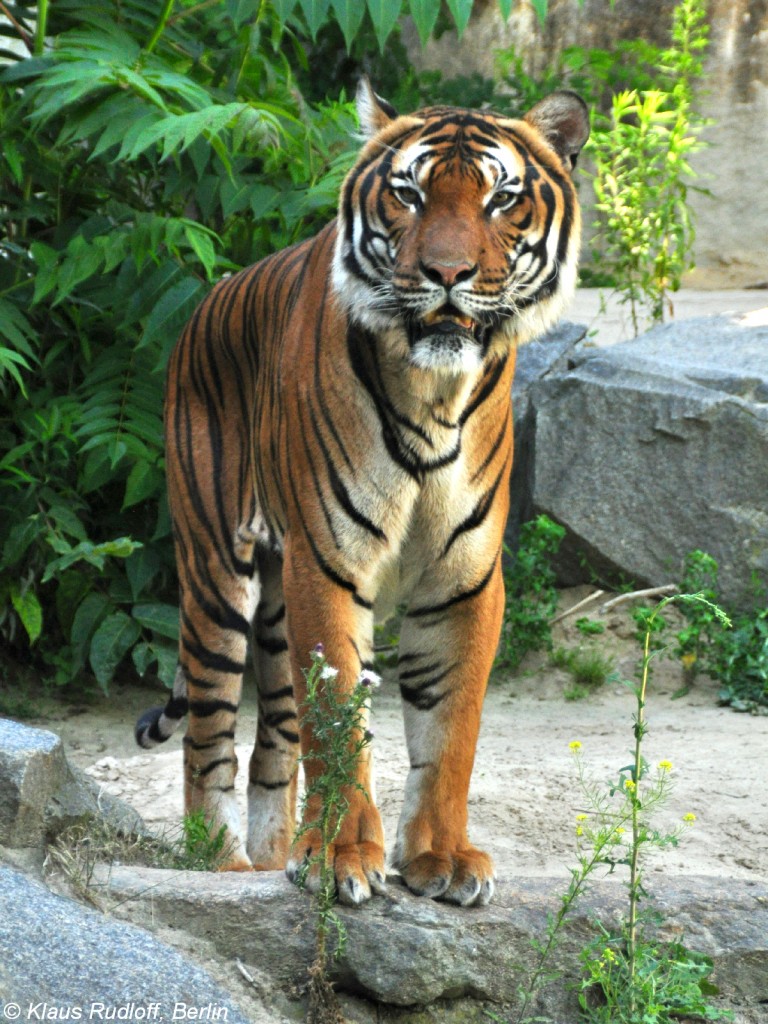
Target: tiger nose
pixel 447 274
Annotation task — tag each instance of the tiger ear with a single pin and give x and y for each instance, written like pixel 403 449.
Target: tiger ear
pixel 373 112
pixel 563 120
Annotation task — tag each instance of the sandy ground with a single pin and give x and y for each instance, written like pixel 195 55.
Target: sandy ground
pixel 524 796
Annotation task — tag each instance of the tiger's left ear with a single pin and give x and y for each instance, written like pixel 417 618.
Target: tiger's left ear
pixel 373 112
pixel 563 120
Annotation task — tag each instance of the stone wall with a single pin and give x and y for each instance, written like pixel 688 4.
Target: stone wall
pixel 732 227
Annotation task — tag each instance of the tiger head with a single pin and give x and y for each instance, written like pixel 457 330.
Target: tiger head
pixel 459 230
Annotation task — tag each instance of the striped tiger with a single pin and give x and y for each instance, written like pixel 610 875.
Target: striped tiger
pixel 339 442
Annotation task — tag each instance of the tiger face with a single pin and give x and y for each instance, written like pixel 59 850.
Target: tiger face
pixel 459 229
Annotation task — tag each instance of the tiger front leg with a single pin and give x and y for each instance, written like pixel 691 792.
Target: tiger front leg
pixel 320 612
pixel 447 649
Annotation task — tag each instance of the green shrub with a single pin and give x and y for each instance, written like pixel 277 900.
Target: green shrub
pixel 530 589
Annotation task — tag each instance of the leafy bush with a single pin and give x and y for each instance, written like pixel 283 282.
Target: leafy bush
pixel 531 596
pixel 141 146
pixel 737 658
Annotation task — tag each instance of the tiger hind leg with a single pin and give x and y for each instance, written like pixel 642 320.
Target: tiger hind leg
pixel 216 615
pixel 273 767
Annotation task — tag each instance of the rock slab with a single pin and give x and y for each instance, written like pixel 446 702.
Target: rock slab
pixel 402 950
pixel 655 447
pixel 62 961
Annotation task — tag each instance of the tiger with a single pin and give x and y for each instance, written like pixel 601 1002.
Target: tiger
pixel 339 444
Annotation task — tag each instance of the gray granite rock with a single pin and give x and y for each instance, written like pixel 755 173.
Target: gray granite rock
pixel 402 950
pixel 59 956
pixel 551 353
pixel 41 794
pixel 655 447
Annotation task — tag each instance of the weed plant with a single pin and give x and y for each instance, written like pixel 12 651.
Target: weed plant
pixel 630 977
pixel 338 721
pixel 588 667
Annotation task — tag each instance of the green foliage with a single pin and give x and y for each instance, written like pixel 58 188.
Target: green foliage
pixel 589 627
pixel 588 666
pixel 641 156
pixel 669 982
pixel 736 657
pixel 148 151
pixel 531 593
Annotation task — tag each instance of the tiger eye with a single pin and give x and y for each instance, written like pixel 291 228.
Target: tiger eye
pixel 502 198
pixel 408 196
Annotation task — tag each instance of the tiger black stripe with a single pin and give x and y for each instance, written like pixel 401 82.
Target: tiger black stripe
pixel 464 595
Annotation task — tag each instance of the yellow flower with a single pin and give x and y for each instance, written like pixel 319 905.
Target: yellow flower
pixel 574 745
pixel 629 785
pixel 688 660
pixel 665 766
pixel 689 818
pixel 620 831
pixel 579 830
pixel 609 955
pixel 581 817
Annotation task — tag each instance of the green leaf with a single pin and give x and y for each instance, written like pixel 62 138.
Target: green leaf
pixel 86 551
pixel 160 618
pixel 174 307
pixel 142 483
pixel 201 241
pixel 424 14
pixel 283 9
pixel 19 540
pixel 505 6
pixel 384 15
pixel 461 10
pixel 540 7
pixel 16 328
pixel 141 567
pixel 349 15
pixel 29 610
pixel 89 613
pixel 142 657
pixel 315 13
pixel 167 660
pixel 111 642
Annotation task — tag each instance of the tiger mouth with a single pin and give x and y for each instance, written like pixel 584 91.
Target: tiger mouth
pixel 446 321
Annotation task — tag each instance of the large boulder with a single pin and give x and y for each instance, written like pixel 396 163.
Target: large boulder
pixel 41 794
pixel 658 446
pixel 62 961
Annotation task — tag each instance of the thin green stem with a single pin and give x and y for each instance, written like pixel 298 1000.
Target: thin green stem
pixel 634 871
pixel 162 21
pixel 40 27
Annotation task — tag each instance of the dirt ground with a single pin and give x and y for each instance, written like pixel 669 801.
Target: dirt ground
pixel 524 797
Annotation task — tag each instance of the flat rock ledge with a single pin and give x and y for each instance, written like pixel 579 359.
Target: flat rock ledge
pixel 404 952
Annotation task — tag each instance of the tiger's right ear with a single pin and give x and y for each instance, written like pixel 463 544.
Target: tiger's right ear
pixel 373 112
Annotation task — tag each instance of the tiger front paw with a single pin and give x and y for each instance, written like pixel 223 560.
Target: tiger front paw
pixel 358 867
pixel 465 877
